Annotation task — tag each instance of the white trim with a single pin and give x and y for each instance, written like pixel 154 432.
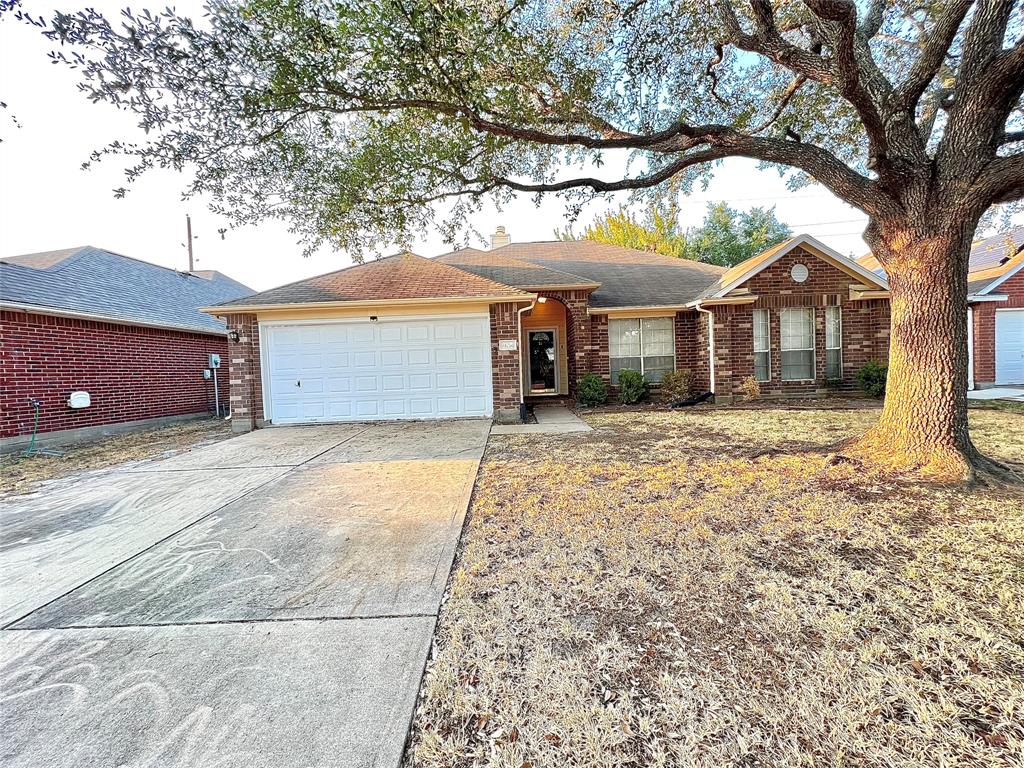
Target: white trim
pixel 264 325
pixel 525 352
pixel 34 309
pixel 977 298
pixel 626 311
pixel 839 261
pixel 1002 278
pixel 970 348
pixel 813 349
pixel 247 309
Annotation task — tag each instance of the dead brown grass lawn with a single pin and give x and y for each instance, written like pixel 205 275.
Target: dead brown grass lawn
pixel 712 588
pixel 20 474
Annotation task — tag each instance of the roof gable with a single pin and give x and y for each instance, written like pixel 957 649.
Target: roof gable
pixel 402 277
pixel 745 270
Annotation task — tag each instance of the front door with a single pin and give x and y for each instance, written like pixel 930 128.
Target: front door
pixel 542 351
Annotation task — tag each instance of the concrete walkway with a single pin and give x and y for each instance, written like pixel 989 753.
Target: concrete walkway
pixel 551 420
pixel 267 601
pixel 997 393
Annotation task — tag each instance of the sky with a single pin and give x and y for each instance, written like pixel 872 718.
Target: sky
pixel 48 202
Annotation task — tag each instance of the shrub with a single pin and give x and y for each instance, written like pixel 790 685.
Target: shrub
pixel 592 390
pixel 751 389
pixel 872 378
pixel 676 386
pixel 632 387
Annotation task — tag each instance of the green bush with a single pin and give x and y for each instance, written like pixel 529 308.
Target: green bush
pixel 632 387
pixel 872 378
pixel 592 390
pixel 676 386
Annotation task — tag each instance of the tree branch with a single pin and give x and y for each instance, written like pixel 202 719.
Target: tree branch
pixel 1003 180
pixel 933 54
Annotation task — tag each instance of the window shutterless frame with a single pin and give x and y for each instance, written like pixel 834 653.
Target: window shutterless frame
pixel 796 347
pixel 633 343
pixel 833 343
pixel 762 345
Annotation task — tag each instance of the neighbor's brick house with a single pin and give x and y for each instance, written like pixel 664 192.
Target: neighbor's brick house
pixel 127 332
pixel 480 333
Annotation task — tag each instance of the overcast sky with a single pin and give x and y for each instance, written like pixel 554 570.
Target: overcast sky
pixel 47 202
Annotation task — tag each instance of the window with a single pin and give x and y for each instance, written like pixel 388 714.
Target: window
pixel 762 346
pixel 797 347
pixel 642 344
pixel 833 343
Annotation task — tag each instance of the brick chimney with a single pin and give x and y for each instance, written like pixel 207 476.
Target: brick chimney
pixel 500 238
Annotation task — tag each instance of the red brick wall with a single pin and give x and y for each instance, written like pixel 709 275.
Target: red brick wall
pixel 984 314
pixel 245 375
pixel 692 347
pixel 865 327
pixel 506 378
pixel 130 372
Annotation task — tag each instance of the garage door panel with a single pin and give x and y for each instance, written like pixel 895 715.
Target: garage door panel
pixel 380 370
pixel 1010 346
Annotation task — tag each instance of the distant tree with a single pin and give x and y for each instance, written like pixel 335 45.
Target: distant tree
pixel 658 231
pixel 728 236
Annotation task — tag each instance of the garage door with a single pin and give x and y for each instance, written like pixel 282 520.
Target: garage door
pixel 1010 346
pixel 413 369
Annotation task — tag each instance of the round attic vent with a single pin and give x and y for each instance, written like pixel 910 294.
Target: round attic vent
pixel 798 272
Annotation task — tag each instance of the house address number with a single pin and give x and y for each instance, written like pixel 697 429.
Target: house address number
pixel 507 345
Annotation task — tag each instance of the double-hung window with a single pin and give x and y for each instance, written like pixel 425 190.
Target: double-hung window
pixel 797 344
pixel 644 344
pixel 833 343
pixel 762 346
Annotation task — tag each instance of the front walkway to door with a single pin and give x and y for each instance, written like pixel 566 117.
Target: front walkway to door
pixel 267 601
pixel 551 420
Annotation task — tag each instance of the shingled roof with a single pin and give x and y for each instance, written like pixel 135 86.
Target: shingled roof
pixel 402 277
pixel 103 284
pixel 504 269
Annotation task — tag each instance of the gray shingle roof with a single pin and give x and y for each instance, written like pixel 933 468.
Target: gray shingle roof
pixel 627 278
pixel 504 269
pixel 993 251
pixel 97 282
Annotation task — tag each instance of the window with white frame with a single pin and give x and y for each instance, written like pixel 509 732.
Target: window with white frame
pixel 796 329
pixel 644 344
pixel 762 346
pixel 833 343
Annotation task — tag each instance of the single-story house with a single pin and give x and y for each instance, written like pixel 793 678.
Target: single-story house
pixel 479 333
pixel 995 309
pixel 128 333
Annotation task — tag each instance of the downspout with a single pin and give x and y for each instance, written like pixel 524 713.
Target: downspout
pixel 711 344
pixel 970 347
pixel 519 343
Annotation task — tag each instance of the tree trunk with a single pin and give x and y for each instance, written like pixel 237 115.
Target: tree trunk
pixel 923 426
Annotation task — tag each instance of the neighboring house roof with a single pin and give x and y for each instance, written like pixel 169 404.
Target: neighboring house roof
pixel 104 285
pixel 745 270
pixel 625 277
pixel 505 269
pixel 402 277
pixel 990 260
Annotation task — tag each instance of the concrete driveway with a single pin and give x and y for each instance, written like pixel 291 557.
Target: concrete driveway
pixel 265 601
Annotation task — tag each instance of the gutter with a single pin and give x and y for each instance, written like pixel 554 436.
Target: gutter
pixel 711 343
pixel 36 309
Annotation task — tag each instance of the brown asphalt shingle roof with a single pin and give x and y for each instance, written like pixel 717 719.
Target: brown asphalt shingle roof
pixel 394 278
pixel 495 265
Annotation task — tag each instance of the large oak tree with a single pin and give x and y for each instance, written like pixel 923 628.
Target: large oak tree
pixel 359 120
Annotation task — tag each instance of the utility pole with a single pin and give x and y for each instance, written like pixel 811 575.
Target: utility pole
pixel 188 226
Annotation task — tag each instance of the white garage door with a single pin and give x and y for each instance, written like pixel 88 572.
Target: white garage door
pixel 1010 346
pixel 410 369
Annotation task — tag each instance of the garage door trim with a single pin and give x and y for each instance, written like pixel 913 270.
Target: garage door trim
pixel 265 326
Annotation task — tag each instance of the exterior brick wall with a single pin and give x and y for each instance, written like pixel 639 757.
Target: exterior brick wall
pixel 865 327
pixel 130 372
pixel 984 314
pixel 245 376
pixel 506 374
pixel 598 360
pixel 692 347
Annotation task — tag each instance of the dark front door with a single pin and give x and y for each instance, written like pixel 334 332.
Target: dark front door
pixel 543 366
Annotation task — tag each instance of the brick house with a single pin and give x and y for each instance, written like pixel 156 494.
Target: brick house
pixel 995 309
pixel 128 332
pixel 481 333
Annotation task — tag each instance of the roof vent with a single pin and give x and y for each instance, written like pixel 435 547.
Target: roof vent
pixel 500 238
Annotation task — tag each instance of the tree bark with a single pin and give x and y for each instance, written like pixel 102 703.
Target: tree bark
pixel 923 427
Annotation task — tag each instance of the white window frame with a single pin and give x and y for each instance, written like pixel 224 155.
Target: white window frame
pixel 767 351
pixel 806 311
pixel 839 348
pixel 640 327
